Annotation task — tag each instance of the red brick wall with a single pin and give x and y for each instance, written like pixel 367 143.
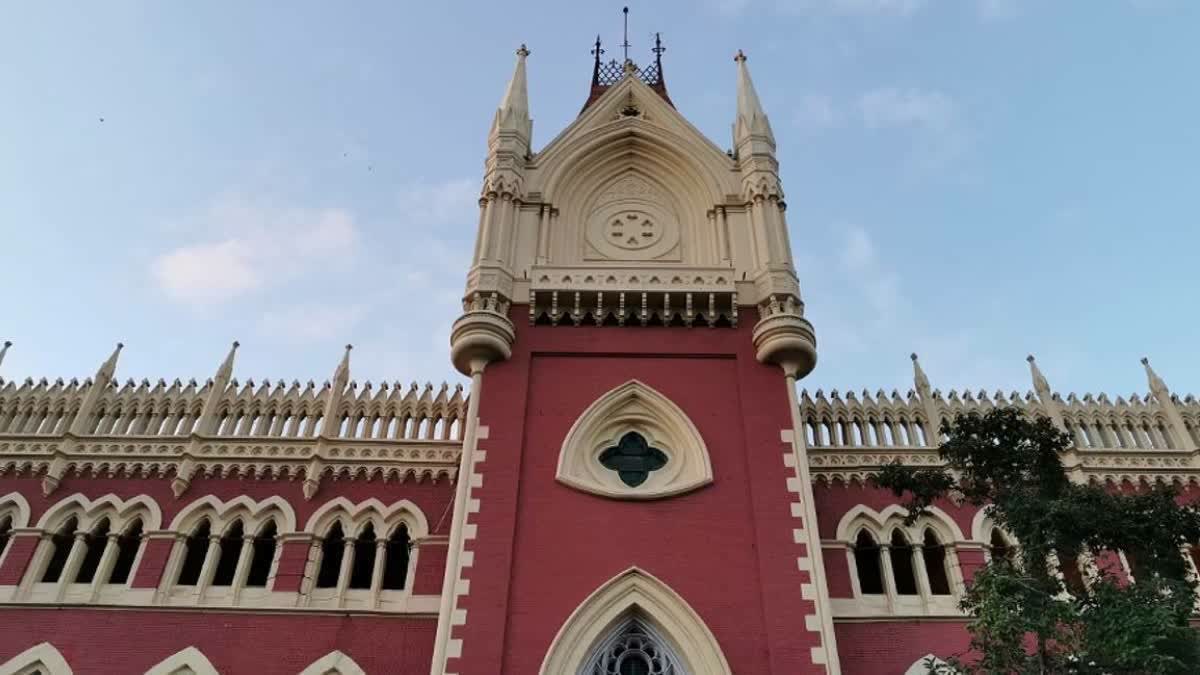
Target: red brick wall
pixel 111 642
pixel 890 647
pixel 543 547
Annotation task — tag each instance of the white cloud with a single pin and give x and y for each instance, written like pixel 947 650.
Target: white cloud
pixel 893 107
pixel 247 247
pixel 817 112
pixel 311 322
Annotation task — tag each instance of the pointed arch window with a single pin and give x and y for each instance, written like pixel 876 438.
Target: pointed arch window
pixel 868 564
pixel 231 549
pixel 195 549
pixel 364 558
pixel 633 648
pixel 262 557
pixel 95 541
pixel 61 542
pixel 903 573
pixel 332 550
pixel 395 574
pixel 934 554
pixel 127 550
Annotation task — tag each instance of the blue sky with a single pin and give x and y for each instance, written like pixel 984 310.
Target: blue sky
pixel 973 180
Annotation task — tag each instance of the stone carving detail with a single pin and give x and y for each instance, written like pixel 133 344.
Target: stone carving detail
pixel 631 220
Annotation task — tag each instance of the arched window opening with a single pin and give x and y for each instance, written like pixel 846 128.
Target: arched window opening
pixel 5 532
pixel 868 564
pixel 364 558
pixel 264 555
pixel 1072 575
pixel 231 549
pixel 1001 549
pixel 902 564
pixel 61 541
pixel 934 553
pixel 332 550
pixel 127 549
pixel 195 548
pixel 1193 552
pixel 633 649
pixel 95 541
pixel 395 572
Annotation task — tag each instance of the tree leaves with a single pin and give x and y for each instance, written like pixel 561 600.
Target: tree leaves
pixel 1023 617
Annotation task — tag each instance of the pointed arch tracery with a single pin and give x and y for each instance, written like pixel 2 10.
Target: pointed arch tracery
pixel 639 609
pixel 40 659
pixel 334 663
pixel 634 409
pixel 187 661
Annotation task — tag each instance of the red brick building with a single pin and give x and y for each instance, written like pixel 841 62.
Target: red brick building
pixel 632 485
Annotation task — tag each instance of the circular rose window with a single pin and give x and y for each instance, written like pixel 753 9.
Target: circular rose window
pixel 633 230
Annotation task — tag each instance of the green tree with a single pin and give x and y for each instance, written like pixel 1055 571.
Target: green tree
pixel 1023 618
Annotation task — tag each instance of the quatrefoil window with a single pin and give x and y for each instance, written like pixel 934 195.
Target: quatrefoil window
pixel 633 459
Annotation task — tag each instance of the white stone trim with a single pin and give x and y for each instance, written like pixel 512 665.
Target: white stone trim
pixel 15 504
pixel 458 617
pixel 334 663
pixel 638 592
pixel 892 517
pixel 384 518
pixel 35 659
pixel 801 534
pixel 91 511
pixel 191 658
pixel 253 514
pixel 634 406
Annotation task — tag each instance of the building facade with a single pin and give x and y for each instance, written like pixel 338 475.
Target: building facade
pixel 633 484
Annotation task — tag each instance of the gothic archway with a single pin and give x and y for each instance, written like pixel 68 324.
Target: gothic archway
pixel 636 622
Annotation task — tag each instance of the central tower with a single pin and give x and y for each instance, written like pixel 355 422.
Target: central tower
pixel 633 486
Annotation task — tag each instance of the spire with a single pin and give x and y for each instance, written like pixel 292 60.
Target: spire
pixel 225 372
pixel 513 113
pixel 919 380
pixel 751 120
pixel 1157 386
pixel 109 367
pixel 1040 384
pixel 4 350
pixel 342 375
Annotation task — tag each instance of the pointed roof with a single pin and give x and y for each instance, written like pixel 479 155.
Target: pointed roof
pixel 4 349
pixel 109 367
pixel 605 75
pixel 225 371
pixel 513 112
pixel 751 118
pixel 1157 385
pixel 919 379
pixel 1040 383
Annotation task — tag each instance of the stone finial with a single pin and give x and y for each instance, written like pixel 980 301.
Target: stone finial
pixel 225 371
pixel 751 121
pixel 4 350
pixel 1157 386
pixel 919 379
pixel 1040 384
pixel 109 367
pixel 342 374
pixel 512 115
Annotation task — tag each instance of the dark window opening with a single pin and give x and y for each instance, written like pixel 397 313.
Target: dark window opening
pixel 1068 566
pixel 635 664
pixel 95 541
pixel 231 550
pixel 902 565
pixel 193 558
pixel 1001 550
pixel 127 550
pixel 264 555
pixel 332 550
pixel 61 541
pixel 633 459
pixel 868 564
pixel 935 564
pixel 395 571
pixel 364 558
pixel 5 533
